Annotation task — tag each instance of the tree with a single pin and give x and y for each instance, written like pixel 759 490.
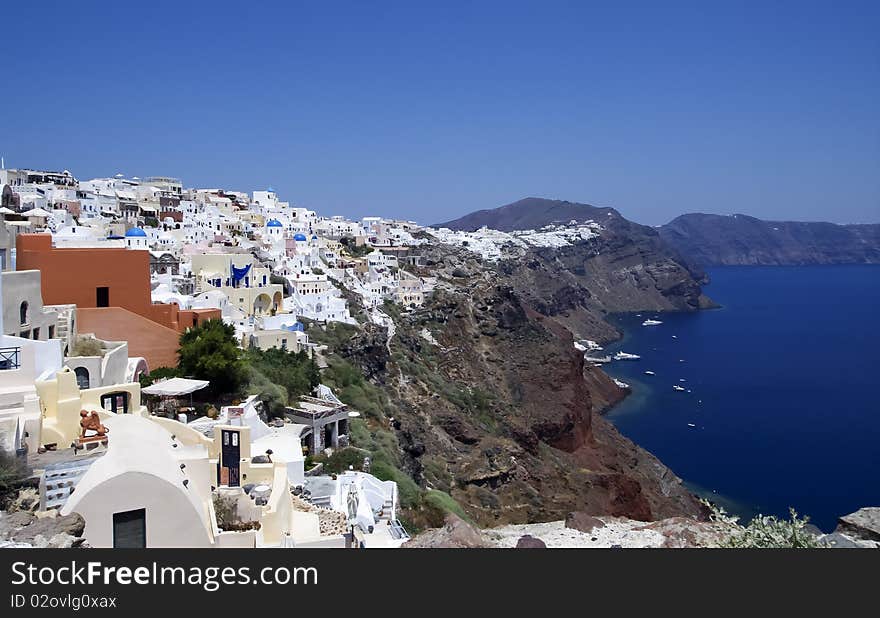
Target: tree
pixel 209 352
pixel 159 373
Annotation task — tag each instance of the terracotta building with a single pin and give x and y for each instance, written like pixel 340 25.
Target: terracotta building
pixel 102 281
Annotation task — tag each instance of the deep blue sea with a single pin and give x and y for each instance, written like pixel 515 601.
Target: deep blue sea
pixel 783 383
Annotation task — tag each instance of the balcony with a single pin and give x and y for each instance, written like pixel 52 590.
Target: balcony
pixel 10 358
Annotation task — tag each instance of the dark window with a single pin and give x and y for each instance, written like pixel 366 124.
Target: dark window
pixel 130 529
pixel 82 377
pixel 102 297
pixel 115 402
pixel 23 312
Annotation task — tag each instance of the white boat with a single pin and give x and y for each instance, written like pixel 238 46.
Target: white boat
pixel 649 373
pixel 597 360
pixel 674 337
pixel 682 380
pixel 691 425
pixel 626 356
pixel 651 323
pixel 677 387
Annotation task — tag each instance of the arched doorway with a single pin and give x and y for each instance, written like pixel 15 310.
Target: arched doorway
pixel 261 304
pixel 82 378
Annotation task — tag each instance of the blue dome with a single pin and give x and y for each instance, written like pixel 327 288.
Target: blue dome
pixel 136 231
pixel 314 237
pixel 274 223
pixel 300 237
pixel 270 190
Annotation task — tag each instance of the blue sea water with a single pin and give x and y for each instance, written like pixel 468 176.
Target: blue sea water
pixel 783 390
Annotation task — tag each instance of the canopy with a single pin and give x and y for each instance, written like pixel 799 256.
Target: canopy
pixel 239 273
pixel 7 211
pixel 175 387
pixel 36 212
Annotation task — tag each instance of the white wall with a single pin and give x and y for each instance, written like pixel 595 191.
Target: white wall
pixel 171 519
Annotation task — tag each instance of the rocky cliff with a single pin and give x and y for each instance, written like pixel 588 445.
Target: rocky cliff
pixel 715 240
pixel 491 402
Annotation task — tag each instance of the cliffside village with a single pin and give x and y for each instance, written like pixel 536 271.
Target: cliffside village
pixel 132 263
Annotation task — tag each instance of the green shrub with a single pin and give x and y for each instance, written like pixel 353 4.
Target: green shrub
pixel 86 346
pixel 767 531
pixel 443 503
pixel 159 373
pixel 342 458
pixel 12 472
pixel 280 377
pixel 409 493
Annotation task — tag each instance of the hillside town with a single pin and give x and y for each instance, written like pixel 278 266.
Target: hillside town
pixel 100 280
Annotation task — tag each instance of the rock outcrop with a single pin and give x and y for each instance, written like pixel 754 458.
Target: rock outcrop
pixel 529 542
pixel 44 529
pixel 583 522
pixel 615 532
pixel 864 524
pixel 456 533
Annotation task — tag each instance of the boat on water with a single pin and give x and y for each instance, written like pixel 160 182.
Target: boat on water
pixel 691 425
pixel 649 373
pixel 651 322
pixel 626 356
pixel 597 360
pixel 677 387
pixel 675 336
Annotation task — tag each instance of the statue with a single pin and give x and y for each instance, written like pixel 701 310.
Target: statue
pixel 90 421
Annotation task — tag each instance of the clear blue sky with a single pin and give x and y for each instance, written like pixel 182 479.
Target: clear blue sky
pixel 771 109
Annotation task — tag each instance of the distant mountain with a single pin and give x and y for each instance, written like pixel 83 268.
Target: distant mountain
pixel 529 214
pixel 627 267
pixel 714 240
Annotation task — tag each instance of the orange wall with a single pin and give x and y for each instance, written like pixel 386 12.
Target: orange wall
pixel 72 275
pixel 156 343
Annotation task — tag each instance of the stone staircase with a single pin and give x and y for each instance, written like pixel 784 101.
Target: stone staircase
pixel 59 479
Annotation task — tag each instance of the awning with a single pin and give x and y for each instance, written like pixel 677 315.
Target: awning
pixel 36 212
pixel 175 387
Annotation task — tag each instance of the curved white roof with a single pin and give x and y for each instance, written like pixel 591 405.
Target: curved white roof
pixel 136 445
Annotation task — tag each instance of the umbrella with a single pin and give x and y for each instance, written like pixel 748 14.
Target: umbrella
pixel 6 211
